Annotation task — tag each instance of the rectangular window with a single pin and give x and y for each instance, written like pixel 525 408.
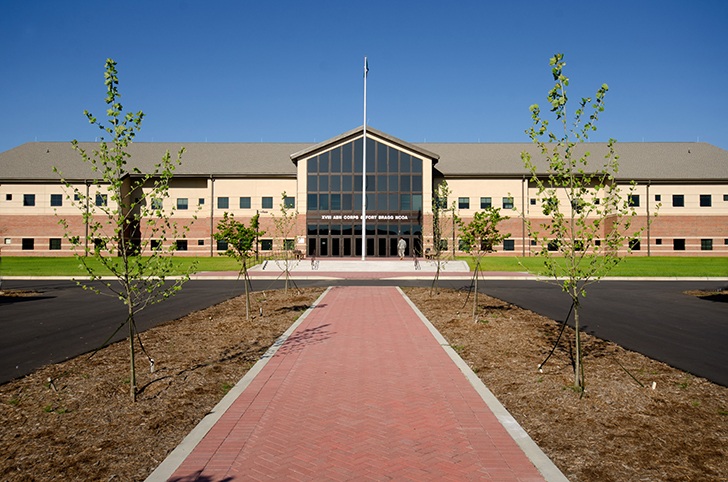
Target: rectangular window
pixel 706 200
pixel 54 244
pixel 9 197
pixel 405 202
pixel 102 200
pixel 706 244
pixel 267 202
pixel 156 244
pixel 725 197
pixel 201 201
pixel 507 203
pixel 509 245
pixel 182 203
pixel 56 199
pixel 244 203
pixel 463 203
pixel 289 202
pixel 289 244
pixel 266 244
pixel 312 202
pixel 634 244
pixel 485 202
pixel 658 241
pixel 533 202
pixel 28 199
pixel 336 202
pixel 222 245
pixel 323 202
pixel 180 245
pixel 678 245
pixel 156 204
pixel 633 200
pixel 678 201
pixel 416 202
pixel 28 244
pixel 200 242
pixel 223 203
pixel 658 197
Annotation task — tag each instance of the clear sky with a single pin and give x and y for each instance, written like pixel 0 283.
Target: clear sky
pixel 292 71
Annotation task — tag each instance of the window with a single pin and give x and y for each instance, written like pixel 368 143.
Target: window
pixel 462 245
pixel 156 244
pixel 553 246
pixel 658 241
pixel 223 203
pixel 245 202
pixel 509 245
pixel 200 242
pixel 99 244
pixel 267 203
pixel 289 244
pixel 56 199
pixel 101 200
pixel 28 199
pixel 508 203
pixel 201 201
pixel 633 200
pixel 634 244
pixel 289 202
pixel 706 244
pixel 76 197
pixel 578 205
pixel 54 244
pixel 678 201
pixel 222 245
pixel 485 202
pixel 266 244
pixel 658 197
pixel 706 200
pixel 180 245
pixel 533 202
pixel 182 203
pixel 678 245
pixel 725 197
pixel 463 203
pixel 9 197
pixel 157 204
pixel 28 244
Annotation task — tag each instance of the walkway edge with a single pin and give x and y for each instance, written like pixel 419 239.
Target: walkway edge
pixel 175 458
pixel 539 459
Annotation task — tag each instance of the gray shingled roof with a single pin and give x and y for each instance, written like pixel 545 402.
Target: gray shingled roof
pixel 639 161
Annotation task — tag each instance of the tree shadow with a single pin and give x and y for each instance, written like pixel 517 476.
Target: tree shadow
pixel 6 300
pixel 716 297
pixel 198 477
pixel 300 339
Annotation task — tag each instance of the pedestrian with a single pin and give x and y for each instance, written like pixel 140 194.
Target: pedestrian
pixel 401 246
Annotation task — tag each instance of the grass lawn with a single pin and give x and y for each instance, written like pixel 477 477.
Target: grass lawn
pixel 631 266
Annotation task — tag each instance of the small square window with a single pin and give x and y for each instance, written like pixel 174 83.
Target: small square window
pixel 508 203
pixel 56 199
pixel 266 244
pixel 706 200
pixel 156 244
pixel 706 245
pixel 222 245
pixel 553 246
pixel 157 204
pixel 678 245
pixel 658 197
pixel 223 203
pixel 463 203
pixel 180 245
pixel 28 244
pixel 8 197
pixel 102 200
pixel 633 200
pixel 28 199
pixel 509 245
pixel 76 197
pixel 200 242
pixel 201 201
pixel 267 203
pixel 533 202
pixel 533 242
pixel 244 203
pixel 678 200
pixel 289 202
pixel 597 242
pixel 54 244
pixel 658 241
pixel 634 244
pixel 182 203
pixel 8 241
pixel 485 202
pixel 289 244
pixel 725 197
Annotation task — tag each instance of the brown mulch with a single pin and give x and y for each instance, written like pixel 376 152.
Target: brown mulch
pixel 619 431
pixel 89 430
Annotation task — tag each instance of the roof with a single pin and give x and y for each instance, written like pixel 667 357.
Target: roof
pixel 656 161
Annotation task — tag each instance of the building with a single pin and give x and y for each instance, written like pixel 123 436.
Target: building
pixel 323 182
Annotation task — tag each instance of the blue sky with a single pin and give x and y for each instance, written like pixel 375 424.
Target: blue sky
pixel 292 71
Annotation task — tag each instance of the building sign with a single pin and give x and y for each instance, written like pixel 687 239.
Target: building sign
pixel 372 217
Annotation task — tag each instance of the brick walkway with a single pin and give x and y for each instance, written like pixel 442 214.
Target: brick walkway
pixel 360 391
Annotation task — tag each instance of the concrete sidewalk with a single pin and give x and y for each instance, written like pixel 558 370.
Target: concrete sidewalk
pixel 361 388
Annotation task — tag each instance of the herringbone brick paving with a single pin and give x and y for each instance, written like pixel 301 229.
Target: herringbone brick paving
pixel 360 391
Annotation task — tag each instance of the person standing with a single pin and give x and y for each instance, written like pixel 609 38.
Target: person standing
pixel 401 246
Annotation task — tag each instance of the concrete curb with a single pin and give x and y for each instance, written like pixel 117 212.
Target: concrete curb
pixel 175 458
pixel 544 465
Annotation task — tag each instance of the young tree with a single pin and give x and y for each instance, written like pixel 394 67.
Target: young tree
pixel 129 233
pixel 480 236
pixel 444 224
pixel 589 218
pixel 285 229
pixel 240 241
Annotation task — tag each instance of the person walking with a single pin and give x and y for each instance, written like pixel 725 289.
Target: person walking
pixel 401 246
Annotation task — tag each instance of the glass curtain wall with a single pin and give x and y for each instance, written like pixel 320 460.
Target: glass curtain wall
pixel 334 195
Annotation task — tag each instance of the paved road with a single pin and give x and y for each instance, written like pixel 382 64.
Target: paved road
pixel 654 318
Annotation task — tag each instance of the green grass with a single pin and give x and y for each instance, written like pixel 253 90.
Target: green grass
pixel 632 266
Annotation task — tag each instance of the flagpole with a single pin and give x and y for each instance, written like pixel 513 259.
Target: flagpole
pixel 364 173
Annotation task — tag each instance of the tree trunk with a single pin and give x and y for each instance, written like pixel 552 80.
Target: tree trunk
pixel 247 292
pixel 132 377
pixel 475 297
pixel 578 379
